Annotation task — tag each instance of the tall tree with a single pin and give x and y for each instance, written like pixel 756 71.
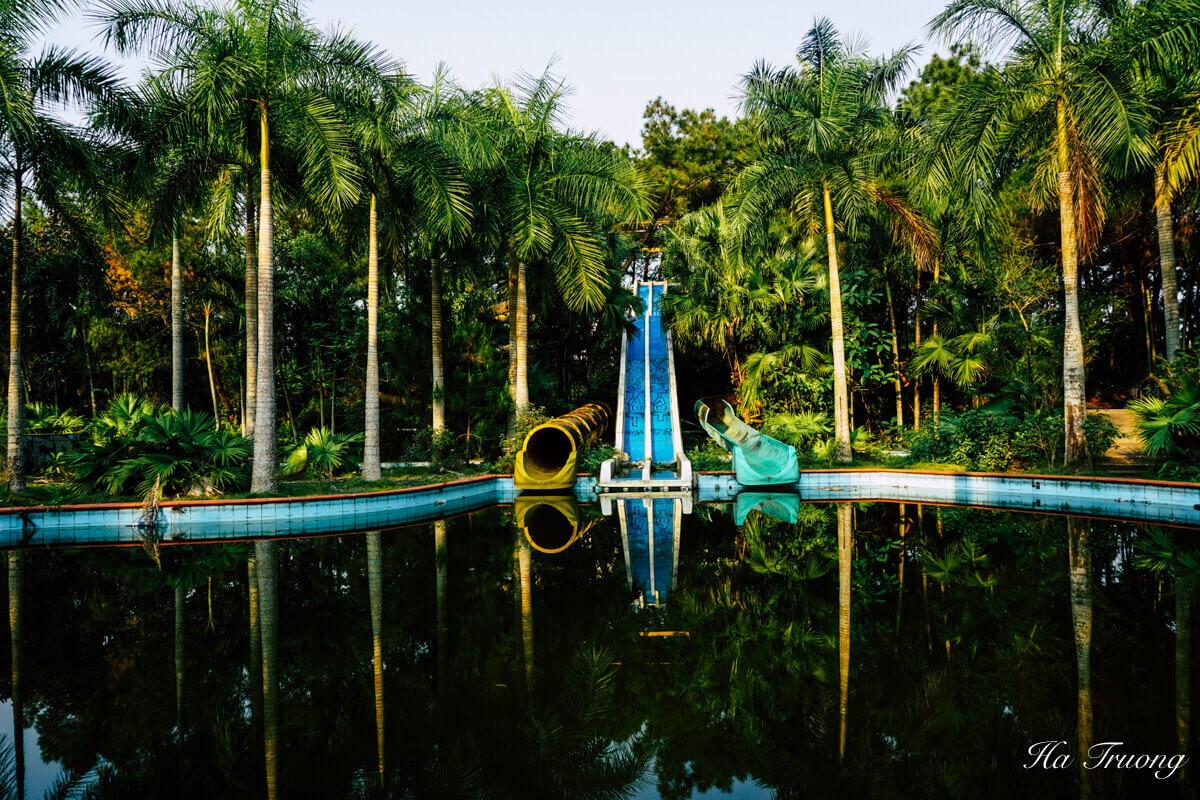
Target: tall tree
pixel 553 188
pixel 1063 97
pixel 404 134
pixel 40 153
pixel 262 57
pixel 820 126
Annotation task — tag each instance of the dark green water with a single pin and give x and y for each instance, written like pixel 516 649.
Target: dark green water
pixel 513 673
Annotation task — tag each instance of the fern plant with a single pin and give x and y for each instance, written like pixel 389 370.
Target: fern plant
pixel 1169 424
pixel 323 452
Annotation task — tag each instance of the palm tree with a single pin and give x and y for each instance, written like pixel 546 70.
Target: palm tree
pixel 260 59
pixel 820 127
pixel 557 192
pixel 402 134
pixel 40 152
pixel 1064 97
pixel 1163 55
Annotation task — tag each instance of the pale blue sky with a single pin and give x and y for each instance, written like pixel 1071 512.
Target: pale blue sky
pixel 617 54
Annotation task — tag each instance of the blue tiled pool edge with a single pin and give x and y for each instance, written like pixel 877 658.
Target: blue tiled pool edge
pixel 200 521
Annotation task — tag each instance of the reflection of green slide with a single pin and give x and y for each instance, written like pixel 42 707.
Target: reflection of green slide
pixel 780 505
pixel 758 460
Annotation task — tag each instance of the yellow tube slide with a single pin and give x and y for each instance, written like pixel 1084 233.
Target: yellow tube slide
pixel 550 454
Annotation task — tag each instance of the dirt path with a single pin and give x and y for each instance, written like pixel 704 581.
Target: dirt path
pixel 1128 446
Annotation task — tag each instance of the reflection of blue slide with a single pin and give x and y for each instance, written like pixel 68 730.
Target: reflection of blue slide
pixel 758 460
pixel 648 432
pixel 650 535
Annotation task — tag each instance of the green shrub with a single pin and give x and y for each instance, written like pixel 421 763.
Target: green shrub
pixel 593 456
pixel 45 418
pixel 980 439
pixel 1101 433
pixel 441 448
pixel 137 446
pixel 710 457
pixel 527 420
pixel 323 452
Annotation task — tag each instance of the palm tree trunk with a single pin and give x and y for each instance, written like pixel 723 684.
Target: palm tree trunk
pixel 262 479
pixel 212 381
pixel 16 591
pixel 512 340
pixel 841 400
pixel 375 588
pixel 845 562
pixel 371 470
pixel 435 323
pixel 896 383
pixel 176 322
pixel 521 391
pixel 1081 617
pixel 265 557
pixel 1166 261
pixel 249 409
pixel 1074 400
pixel 916 345
pixel 16 457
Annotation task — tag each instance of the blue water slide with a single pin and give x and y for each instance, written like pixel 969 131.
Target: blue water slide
pixel 648 433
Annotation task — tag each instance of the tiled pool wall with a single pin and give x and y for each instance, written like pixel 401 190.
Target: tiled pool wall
pixel 1142 501
pixel 199 521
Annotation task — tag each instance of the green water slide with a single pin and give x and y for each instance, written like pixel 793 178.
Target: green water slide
pixel 758 460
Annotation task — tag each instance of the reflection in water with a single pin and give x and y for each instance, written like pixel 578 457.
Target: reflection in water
pixel 255 687
pixel 1080 558
pixel 1184 586
pixel 845 557
pixel 524 569
pixel 16 592
pixel 180 597
pixel 747 701
pixel 375 590
pixel 551 522
pixel 267 567
pixel 650 537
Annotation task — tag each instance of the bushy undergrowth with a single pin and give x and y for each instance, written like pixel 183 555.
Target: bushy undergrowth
pixel 137 446
pixel 323 452
pixel 981 439
pixel 441 448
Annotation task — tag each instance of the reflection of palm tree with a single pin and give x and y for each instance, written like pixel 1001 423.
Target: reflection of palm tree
pixel 255 688
pixel 1080 558
pixel 523 556
pixel 266 563
pixel 16 583
pixel 180 597
pixel 845 562
pixel 375 588
pixel 443 626
pixel 1183 663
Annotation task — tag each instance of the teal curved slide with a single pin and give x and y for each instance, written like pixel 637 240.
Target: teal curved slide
pixel 758 460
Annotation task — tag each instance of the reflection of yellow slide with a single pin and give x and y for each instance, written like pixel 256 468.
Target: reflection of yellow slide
pixel 550 454
pixel 550 522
